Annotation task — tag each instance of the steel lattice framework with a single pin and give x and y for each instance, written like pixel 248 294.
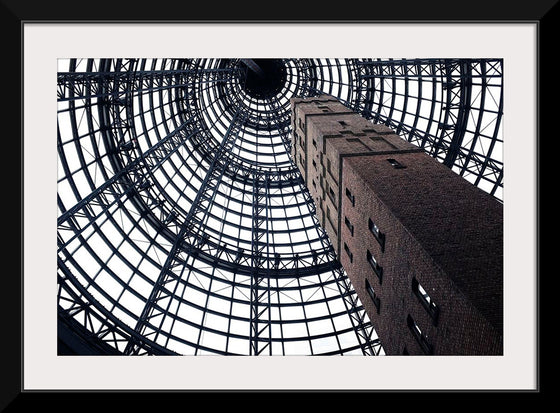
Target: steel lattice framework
pixel 185 228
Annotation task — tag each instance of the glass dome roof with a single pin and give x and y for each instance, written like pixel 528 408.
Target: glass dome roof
pixel 185 228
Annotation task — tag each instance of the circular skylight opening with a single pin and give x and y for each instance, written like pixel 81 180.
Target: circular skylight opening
pixel 265 78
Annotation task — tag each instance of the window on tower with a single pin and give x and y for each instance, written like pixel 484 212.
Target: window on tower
pixel 426 301
pixel 350 196
pixel 373 296
pixel 329 170
pixel 396 164
pixel 331 195
pixel 379 236
pixel 377 269
pixel 420 337
pixel 349 225
pixel 348 252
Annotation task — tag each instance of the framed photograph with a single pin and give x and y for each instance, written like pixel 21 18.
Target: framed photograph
pixel 114 105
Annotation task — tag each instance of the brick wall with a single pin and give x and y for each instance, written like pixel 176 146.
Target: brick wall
pixel 440 232
pixel 452 248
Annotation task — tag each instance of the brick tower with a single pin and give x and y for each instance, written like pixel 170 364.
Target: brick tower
pixel 422 246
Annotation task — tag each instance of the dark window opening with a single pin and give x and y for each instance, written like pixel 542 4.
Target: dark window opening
pixel 396 164
pixel 419 336
pixel 314 164
pixel 329 170
pixel 331 195
pixel 379 236
pixel 373 296
pixel 349 225
pixel 330 221
pixel 350 196
pixel 348 252
pixel 426 301
pixel 377 269
pixel 314 143
pixel 342 123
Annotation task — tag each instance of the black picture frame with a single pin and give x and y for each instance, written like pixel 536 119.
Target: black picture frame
pixel 14 13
